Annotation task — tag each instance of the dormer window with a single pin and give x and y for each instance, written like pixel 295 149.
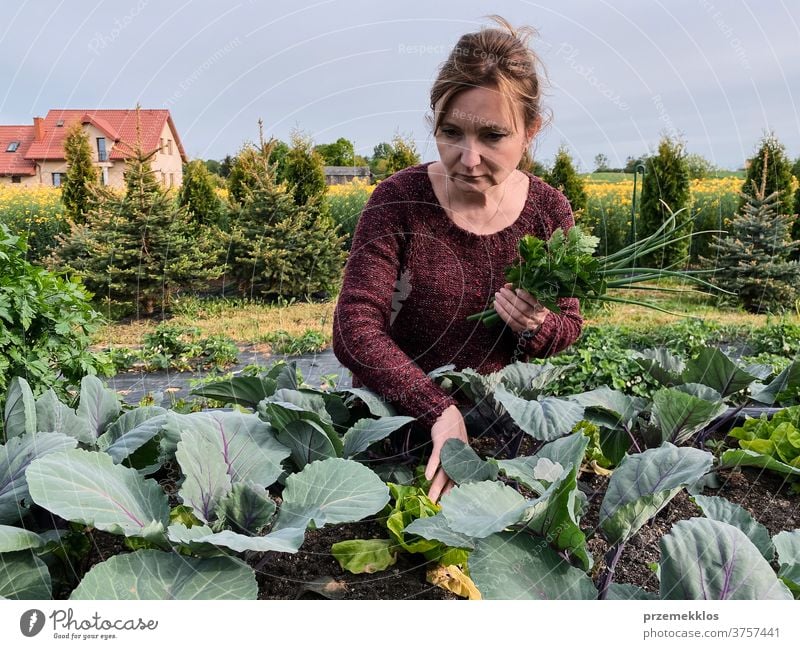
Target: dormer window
pixel 60 122
pixel 12 146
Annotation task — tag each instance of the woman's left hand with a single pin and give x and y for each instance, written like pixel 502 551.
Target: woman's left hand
pixel 519 309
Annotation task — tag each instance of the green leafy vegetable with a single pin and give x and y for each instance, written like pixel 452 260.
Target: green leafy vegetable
pixel 565 266
pixel 777 438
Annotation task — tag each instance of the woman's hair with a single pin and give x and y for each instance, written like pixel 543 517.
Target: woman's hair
pixel 494 58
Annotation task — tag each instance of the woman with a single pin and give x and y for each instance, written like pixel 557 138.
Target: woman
pixel 433 240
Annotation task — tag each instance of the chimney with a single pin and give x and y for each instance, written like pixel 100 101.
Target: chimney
pixel 38 129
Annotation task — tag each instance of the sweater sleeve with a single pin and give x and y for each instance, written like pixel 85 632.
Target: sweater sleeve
pixel 559 330
pixel 361 341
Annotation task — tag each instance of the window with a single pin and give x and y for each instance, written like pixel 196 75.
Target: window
pixel 104 176
pixel 12 146
pixel 57 179
pixel 102 156
pixel 60 122
pixel 171 180
pixel 16 180
pixel 169 146
pixel 163 178
pixel 162 148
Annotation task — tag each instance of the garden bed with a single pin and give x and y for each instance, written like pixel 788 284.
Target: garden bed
pixel 287 492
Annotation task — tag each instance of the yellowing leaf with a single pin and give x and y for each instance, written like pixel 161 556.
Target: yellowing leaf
pixel 594 467
pixel 453 579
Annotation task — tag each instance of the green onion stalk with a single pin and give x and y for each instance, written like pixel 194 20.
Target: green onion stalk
pixel 565 266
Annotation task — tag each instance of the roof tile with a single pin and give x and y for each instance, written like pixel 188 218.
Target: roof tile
pixel 119 125
pixel 15 163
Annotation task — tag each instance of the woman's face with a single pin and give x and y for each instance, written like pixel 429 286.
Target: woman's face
pixel 477 144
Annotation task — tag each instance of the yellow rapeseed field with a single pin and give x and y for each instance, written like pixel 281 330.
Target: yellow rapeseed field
pixel 37 201
pixel 348 188
pixel 42 201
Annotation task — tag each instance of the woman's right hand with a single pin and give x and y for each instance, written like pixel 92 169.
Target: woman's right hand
pixel 449 425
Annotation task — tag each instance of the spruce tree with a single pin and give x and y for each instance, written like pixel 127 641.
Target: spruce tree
pixel 778 174
pixel 665 190
pixel 154 248
pixel 280 248
pixel 138 250
pixel 81 173
pixel 565 179
pixel 197 194
pixel 251 160
pixel 753 259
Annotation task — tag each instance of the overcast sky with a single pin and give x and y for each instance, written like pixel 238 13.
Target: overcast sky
pixel 621 73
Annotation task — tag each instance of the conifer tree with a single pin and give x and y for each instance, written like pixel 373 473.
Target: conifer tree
pixel 237 177
pixel 280 248
pixel 665 189
pixel 778 174
pixel 753 259
pixel 81 173
pixel 197 194
pixel 139 249
pixel 565 179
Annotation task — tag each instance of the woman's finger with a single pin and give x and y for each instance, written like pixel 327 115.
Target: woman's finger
pixel 530 302
pixel 433 463
pixel 516 320
pixel 522 301
pixel 439 483
pixel 450 484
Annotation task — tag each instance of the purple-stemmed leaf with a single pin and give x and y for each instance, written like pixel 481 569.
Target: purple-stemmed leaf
pixel 707 559
pixel 721 509
pixel 519 566
pixel 643 483
pixel 88 488
pixel 240 444
pixel 207 480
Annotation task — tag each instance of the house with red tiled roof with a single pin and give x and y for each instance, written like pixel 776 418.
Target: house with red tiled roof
pixel 34 154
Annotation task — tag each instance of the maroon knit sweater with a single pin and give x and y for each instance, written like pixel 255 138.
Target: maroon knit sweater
pixel 412 278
